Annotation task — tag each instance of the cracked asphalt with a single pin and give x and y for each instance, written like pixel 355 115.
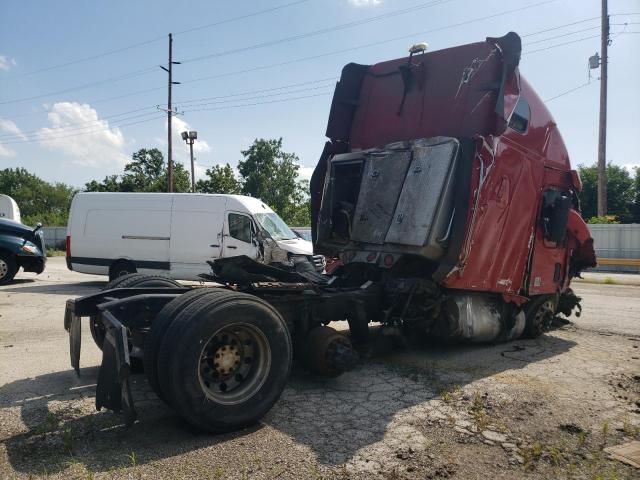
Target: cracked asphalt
pixel 543 408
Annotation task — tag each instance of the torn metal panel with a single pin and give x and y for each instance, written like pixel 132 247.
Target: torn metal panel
pixel 382 181
pixel 424 211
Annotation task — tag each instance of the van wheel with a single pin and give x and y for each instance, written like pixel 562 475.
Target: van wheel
pixel 8 267
pixel 131 280
pixel 224 361
pixel 121 268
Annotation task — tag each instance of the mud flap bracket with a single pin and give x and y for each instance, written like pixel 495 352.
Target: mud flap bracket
pixel 114 389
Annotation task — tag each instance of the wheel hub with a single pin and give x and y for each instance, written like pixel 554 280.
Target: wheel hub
pixel 226 359
pixel 234 363
pixel 4 268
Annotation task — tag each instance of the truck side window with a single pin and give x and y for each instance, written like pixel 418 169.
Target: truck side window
pixel 519 120
pixel 555 214
pixel 240 227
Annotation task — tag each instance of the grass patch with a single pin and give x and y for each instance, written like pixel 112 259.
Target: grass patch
pixel 52 252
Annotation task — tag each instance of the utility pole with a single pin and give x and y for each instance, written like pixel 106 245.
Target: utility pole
pixel 602 136
pixel 170 114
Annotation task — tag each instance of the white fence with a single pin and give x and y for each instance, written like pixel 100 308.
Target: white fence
pixel 55 237
pixel 616 242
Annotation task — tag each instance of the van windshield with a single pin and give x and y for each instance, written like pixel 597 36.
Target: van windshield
pixel 275 226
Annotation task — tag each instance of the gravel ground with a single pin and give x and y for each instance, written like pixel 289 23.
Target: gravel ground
pixel 538 409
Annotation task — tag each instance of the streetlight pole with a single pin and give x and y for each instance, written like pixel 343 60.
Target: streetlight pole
pixel 193 178
pixel 190 138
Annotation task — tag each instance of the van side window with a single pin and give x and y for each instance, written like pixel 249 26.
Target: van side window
pixel 519 120
pixel 240 227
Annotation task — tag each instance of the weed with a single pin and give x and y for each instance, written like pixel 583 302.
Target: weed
pixel 605 430
pixel 218 473
pixel 68 442
pixel 49 424
pixel 609 281
pixel 478 412
pixel 582 438
pixel 629 429
pixel 133 459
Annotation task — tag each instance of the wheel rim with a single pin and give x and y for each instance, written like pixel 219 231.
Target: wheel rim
pixel 543 315
pixel 234 363
pixel 4 268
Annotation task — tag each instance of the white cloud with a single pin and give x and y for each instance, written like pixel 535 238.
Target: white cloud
pixel 11 127
pixel 177 127
pixel 77 131
pixel 6 152
pixel 365 3
pixel 304 173
pixel 6 63
pixel 631 167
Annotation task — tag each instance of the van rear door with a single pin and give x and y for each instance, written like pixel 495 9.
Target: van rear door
pixel 196 234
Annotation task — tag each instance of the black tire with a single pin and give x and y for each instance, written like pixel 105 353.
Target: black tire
pixel 8 267
pixel 127 281
pixel 538 312
pixel 120 268
pixel 190 336
pixel 359 329
pixel 159 327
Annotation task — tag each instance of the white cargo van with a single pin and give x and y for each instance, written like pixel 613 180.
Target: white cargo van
pixel 175 234
pixel 9 208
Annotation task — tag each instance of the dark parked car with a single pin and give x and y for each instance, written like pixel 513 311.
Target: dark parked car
pixel 20 246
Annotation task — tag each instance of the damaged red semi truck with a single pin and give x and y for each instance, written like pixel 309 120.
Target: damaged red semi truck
pixel 445 190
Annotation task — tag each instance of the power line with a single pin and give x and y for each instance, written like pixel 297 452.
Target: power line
pixel 568 92
pixel 153 40
pixel 89 133
pixel 259 91
pixel 321 31
pixel 81 123
pixel 402 37
pixel 136 73
pixel 189 108
pixel 89 125
pixel 258 103
pixel 366 45
pixel 241 17
pixel 560 44
pixel 562 35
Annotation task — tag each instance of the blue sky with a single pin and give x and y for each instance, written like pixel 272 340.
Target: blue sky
pixel 65 133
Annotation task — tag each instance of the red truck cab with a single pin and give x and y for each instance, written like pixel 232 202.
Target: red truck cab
pixel 450 161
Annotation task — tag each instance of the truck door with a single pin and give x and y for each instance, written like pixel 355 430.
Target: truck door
pixel 239 236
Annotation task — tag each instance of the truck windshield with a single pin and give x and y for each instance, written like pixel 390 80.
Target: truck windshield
pixel 275 226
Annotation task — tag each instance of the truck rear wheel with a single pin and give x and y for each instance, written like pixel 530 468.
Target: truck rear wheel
pixel 125 281
pixel 160 326
pixel 224 361
pixel 8 267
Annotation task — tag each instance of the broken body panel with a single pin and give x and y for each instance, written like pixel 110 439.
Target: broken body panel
pixel 495 209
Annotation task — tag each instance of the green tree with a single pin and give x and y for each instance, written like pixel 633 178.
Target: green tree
pixel 620 191
pixel 147 172
pixel 636 200
pixel 219 180
pixel 38 200
pixel 270 174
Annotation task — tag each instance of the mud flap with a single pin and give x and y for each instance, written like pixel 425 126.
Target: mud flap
pixel 114 389
pixel 73 325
